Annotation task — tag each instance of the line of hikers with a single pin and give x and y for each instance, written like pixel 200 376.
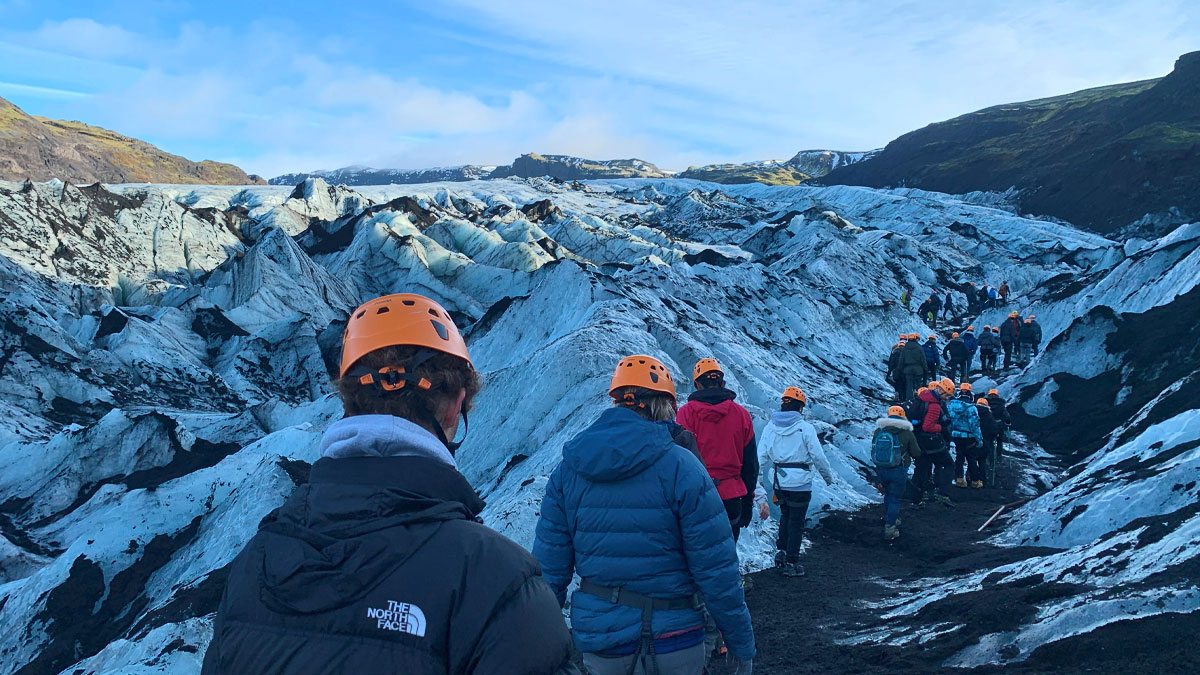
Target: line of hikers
pixel 911 362
pixel 380 562
pixel 977 299
pixel 921 433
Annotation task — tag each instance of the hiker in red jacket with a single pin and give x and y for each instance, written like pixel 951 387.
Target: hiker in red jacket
pixel 725 434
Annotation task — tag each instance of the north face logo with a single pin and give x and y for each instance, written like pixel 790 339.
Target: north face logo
pixel 399 616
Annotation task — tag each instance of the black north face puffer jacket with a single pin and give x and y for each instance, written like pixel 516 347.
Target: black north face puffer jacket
pixel 378 566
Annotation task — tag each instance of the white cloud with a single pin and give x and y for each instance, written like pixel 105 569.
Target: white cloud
pixel 671 82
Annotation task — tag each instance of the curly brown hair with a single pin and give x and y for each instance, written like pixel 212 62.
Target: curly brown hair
pixel 447 376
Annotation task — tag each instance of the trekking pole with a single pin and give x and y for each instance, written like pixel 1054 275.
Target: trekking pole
pixel 989 520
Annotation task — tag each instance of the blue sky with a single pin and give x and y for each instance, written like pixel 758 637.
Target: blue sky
pixel 301 85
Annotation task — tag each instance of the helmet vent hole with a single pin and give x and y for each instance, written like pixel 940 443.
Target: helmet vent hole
pixel 410 303
pixel 441 329
pixel 654 377
pixel 383 310
pixel 433 312
pixel 361 314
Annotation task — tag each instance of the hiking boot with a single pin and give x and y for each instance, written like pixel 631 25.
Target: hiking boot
pixel 780 558
pixel 793 570
pixel 977 484
pixel 891 532
pixel 959 482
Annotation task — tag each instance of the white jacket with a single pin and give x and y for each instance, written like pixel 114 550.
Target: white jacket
pixel 788 439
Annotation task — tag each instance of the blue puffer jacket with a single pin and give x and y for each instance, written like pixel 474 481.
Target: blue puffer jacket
pixel 968 339
pixel 629 508
pixel 964 420
pixel 931 353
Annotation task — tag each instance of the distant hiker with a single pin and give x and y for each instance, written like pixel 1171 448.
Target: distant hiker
pixel 935 308
pixel 956 354
pixel 379 562
pixel 983 296
pixel 912 365
pixel 987 427
pixel 933 357
pixel 1030 339
pixel 999 408
pixel 894 374
pixel 791 453
pixel 965 433
pixel 725 434
pixel 926 312
pixel 640 522
pixel 972 298
pixel 1010 333
pixel 972 344
pixel 1003 293
pixel 934 466
pixel 906 298
pixel 948 307
pixel 993 298
pixel 989 347
pixel 893 447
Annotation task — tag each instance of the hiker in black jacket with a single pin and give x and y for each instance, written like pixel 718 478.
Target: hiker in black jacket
pixel 380 563
pixel 912 365
pixel 999 408
pixel 956 354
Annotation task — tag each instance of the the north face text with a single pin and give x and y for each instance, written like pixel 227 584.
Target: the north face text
pixel 399 616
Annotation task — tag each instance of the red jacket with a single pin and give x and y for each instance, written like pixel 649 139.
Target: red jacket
pixel 724 431
pixel 933 412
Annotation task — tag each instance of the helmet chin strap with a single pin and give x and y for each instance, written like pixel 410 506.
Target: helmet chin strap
pixel 438 431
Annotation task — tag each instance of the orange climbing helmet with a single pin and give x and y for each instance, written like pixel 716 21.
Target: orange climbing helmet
pixel 965 386
pixel 897 411
pixel 705 366
pixel 983 402
pixel 993 392
pixel 953 335
pixel 642 371
pixel 403 319
pixel 987 328
pixel 794 394
pixel 970 328
pixel 914 336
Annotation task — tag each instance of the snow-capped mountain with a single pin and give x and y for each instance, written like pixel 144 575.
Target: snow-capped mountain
pixel 167 352
pixel 364 175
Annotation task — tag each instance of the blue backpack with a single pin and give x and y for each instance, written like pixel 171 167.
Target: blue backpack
pixel 886 450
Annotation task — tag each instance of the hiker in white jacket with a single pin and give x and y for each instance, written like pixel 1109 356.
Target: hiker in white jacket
pixel 789 451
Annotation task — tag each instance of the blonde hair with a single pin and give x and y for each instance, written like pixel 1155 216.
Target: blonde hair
pixel 654 405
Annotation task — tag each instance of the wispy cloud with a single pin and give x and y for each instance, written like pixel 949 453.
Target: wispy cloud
pixel 477 81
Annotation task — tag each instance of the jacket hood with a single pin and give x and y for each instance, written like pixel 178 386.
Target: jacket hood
pixel 929 397
pixel 716 404
pixel 786 422
pixel 894 423
pixel 712 396
pixel 617 446
pixel 381 436
pixel 353 524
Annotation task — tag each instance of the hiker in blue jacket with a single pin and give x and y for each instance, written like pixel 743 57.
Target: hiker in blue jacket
pixel 933 356
pixel 640 520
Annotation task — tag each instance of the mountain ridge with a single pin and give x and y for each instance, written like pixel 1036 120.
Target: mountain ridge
pixel 1102 158
pixel 40 149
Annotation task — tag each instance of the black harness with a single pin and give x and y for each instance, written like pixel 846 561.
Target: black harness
pixel 648 606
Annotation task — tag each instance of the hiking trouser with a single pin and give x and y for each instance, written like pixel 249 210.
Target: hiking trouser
pixel 957 370
pixel 912 382
pixel 689 660
pixel 793 511
pixel 963 448
pixel 733 509
pixel 1008 353
pixel 987 359
pixel 936 465
pixel 976 454
pixel 932 368
pixel 894 481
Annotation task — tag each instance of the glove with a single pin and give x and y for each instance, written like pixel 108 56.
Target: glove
pixel 747 510
pixel 764 511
